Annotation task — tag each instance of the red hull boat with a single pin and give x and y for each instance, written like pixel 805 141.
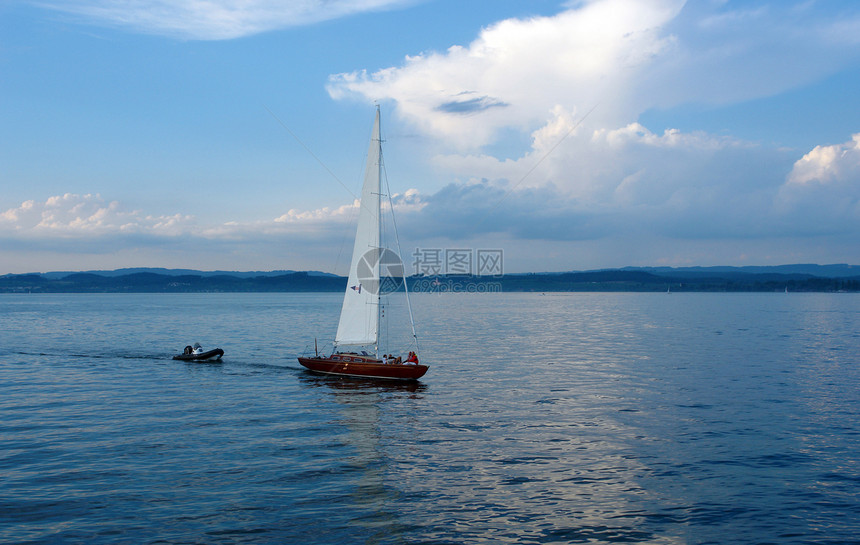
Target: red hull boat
pixel 355 365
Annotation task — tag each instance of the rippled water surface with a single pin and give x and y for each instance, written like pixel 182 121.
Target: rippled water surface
pixel 582 418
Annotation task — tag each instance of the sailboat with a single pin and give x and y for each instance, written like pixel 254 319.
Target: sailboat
pixel 374 273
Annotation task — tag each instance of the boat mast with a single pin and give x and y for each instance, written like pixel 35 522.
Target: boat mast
pixel 378 137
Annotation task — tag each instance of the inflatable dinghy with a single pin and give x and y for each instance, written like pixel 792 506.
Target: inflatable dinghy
pixel 197 354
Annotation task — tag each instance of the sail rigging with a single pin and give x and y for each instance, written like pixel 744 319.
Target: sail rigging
pixel 400 253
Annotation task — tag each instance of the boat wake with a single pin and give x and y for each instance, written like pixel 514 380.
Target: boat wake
pixel 93 356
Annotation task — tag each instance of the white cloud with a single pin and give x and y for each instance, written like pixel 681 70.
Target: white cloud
pixel 71 231
pixel 518 70
pixel 822 191
pixel 591 175
pixel 90 219
pixel 214 19
pixel 320 215
pixel 622 56
pixel 625 166
pixel 71 215
pixel 74 231
pixel 826 165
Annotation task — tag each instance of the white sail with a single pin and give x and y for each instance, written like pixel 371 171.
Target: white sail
pixel 359 317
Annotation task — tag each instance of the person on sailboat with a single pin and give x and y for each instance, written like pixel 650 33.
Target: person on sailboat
pixel 385 359
pixel 412 359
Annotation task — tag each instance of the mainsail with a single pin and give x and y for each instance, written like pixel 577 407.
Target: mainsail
pixel 359 317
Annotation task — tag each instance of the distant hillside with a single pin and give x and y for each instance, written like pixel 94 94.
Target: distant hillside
pixel 643 281
pixel 148 282
pixel 180 272
pixel 792 278
pixel 822 271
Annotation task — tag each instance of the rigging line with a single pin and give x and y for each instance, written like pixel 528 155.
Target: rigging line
pixel 541 160
pixel 307 149
pixel 318 160
pixel 399 252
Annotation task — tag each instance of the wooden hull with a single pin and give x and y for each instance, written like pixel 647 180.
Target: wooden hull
pixel 364 368
pixel 210 355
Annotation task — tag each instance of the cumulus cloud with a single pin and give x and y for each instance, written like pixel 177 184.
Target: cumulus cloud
pixel 624 56
pixel 822 191
pixel 829 165
pixel 578 82
pixel 518 70
pixel 71 215
pixel 630 182
pixel 626 167
pixel 214 19
pixel 320 215
pixel 88 231
pixel 90 217
pixel 74 220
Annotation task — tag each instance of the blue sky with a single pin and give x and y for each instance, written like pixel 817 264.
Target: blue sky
pixel 571 135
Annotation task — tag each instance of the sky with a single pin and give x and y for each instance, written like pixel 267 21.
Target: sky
pixel 569 135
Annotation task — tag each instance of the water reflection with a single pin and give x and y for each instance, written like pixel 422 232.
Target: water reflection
pixel 372 502
pixel 561 419
pixel 359 385
pixel 524 444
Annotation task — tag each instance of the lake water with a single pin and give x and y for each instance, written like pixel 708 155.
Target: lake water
pixel 564 418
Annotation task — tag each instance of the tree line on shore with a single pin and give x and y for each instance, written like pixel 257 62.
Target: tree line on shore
pixel 618 280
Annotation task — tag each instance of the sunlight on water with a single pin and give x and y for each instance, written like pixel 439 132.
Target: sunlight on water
pixel 565 418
